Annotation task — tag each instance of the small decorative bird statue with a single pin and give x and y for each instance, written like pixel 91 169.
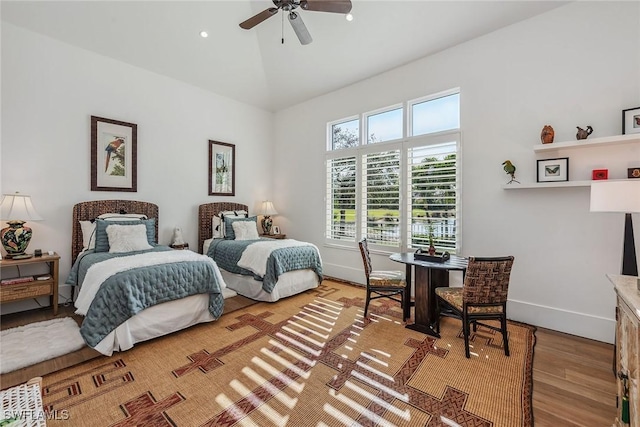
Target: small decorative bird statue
pixel 583 133
pixel 510 169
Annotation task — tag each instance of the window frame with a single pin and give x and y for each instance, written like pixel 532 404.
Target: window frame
pixel 403 144
pixel 364 124
pixel 330 126
pixel 412 102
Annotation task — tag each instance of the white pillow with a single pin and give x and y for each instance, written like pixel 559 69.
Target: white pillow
pixel 88 234
pixel 226 214
pixel 245 230
pixel 127 238
pixel 89 227
pixel 217 228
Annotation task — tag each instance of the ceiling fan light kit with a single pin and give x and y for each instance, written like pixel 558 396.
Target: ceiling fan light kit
pixel 333 6
pixel 299 28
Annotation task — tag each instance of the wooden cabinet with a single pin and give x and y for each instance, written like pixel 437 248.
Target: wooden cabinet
pixel 627 347
pixel 41 285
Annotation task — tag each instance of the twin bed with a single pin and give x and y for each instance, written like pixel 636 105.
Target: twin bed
pixel 130 292
pixel 289 271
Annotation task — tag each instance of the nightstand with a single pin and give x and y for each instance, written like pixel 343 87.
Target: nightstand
pixel 31 286
pixel 274 236
pixel 180 247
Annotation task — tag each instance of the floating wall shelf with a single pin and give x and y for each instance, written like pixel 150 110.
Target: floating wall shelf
pixel 559 184
pixel 573 145
pixel 586 143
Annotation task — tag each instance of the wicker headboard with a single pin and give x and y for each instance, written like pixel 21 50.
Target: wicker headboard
pixel 207 211
pixel 86 211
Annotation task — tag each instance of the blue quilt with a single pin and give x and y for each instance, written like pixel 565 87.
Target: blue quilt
pixel 226 253
pixel 127 293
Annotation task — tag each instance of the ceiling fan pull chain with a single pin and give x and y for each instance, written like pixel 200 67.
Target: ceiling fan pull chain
pixel 282 27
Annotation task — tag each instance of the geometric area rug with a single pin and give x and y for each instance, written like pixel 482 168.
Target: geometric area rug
pixel 307 360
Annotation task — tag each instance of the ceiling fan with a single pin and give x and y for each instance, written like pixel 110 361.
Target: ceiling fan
pixel 335 6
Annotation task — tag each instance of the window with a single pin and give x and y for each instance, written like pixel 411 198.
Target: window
pixel 433 196
pixel 341 194
pixel 384 126
pixel 381 197
pixel 435 115
pixel 397 190
pixel 345 134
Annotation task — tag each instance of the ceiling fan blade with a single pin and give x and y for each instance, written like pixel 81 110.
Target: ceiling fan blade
pixel 300 28
pixel 335 6
pixel 256 19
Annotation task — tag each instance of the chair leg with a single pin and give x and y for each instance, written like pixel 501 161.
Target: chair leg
pixel 475 326
pixel 437 325
pixel 465 331
pixel 366 304
pixel 505 340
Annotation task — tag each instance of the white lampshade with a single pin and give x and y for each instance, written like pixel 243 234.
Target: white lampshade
pixel 615 196
pixel 18 207
pixel 268 209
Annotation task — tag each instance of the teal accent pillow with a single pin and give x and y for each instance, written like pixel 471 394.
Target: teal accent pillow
pixel 102 239
pixel 228 225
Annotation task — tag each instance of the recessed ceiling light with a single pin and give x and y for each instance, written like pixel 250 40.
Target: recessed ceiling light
pixel 349 17
pixel 204 34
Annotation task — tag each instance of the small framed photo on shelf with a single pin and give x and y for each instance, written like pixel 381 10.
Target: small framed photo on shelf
pixel 553 170
pixel 276 229
pixel 631 121
pixel 598 174
pixel 633 172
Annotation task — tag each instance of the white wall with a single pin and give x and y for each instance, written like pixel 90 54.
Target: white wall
pixel 577 65
pixel 50 90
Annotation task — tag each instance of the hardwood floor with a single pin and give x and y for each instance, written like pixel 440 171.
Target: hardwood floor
pixel 573 382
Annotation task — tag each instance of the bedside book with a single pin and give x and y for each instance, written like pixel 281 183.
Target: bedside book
pixel 16 280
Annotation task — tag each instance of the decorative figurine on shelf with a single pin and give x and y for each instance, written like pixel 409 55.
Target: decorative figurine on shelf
pixel 432 248
pixel 547 134
pixel 177 237
pixel 510 169
pixel 582 133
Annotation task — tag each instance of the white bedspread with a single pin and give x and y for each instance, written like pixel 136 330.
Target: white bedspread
pixel 99 272
pixel 255 256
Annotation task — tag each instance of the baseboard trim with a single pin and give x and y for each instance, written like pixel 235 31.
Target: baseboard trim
pixel 570 322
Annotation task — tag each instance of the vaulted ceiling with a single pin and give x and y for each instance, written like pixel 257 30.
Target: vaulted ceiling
pixel 253 66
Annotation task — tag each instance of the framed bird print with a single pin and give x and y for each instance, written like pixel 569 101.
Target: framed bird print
pixel 222 169
pixel 553 170
pixel 114 155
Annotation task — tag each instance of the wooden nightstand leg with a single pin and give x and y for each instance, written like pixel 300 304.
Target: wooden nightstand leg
pixel 54 275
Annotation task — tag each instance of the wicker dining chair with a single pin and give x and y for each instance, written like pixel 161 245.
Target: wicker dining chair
pixel 381 283
pixel 483 296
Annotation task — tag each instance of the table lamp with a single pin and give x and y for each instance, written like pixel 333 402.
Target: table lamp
pixel 266 211
pixel 16 209
pixel 620 196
